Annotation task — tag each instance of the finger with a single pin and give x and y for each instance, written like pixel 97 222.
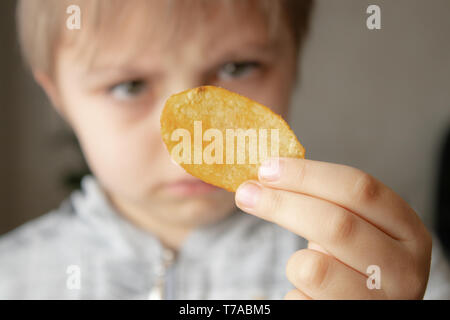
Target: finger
pixel 296 294
pixel 346 236
pixel 346 186
pixel 317 247
pixel 320 276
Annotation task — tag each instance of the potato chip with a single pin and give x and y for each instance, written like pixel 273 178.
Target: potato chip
pixel 222 137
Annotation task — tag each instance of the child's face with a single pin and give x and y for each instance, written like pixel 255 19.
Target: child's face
pixel 114 105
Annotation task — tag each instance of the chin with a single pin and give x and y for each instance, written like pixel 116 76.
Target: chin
pixel 204 211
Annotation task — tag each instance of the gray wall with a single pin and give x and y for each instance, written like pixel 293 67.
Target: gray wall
pixel 376 100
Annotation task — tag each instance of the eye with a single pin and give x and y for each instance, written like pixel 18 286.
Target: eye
pixel 232 70
pixel 128 90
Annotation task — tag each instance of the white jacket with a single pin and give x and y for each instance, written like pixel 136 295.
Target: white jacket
pixel 86 250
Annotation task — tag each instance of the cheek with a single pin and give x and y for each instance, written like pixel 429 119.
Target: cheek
pixel 125 154
pixel 280 94
pixel 274 91
pixel 282 81
pixel 122 156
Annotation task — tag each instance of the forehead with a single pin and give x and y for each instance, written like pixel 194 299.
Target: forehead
pixel 124 30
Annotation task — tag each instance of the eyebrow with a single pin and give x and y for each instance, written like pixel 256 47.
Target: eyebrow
pixel 266 50
pixel 115 70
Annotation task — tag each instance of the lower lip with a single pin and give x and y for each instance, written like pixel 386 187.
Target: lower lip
pixel 190 188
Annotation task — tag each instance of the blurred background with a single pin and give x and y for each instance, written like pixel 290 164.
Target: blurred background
pixel 376 100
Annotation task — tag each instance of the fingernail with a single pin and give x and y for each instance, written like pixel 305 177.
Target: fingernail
pixel 247 195
pixel 269 170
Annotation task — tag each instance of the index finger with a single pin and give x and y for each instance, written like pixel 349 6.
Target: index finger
pixel 347 187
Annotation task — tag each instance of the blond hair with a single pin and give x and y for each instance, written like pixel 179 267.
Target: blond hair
pixel 41 24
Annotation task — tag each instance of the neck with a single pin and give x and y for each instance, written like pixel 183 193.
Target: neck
pixel 169 234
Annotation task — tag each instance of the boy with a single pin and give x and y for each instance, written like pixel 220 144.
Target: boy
pixel 143 228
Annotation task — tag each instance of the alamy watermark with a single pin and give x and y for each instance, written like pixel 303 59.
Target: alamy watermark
pixel 73 281
pixel 373 22
pixel 190 150
pixel 374 279
pixel 73 22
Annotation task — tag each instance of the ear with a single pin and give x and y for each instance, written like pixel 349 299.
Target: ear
pixel 50 88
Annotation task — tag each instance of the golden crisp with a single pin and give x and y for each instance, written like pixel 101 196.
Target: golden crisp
pixel 210 107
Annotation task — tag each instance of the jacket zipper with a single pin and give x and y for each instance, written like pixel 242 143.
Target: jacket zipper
pixel 163 287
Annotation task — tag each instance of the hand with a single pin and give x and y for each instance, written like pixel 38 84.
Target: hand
pixel 351 220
